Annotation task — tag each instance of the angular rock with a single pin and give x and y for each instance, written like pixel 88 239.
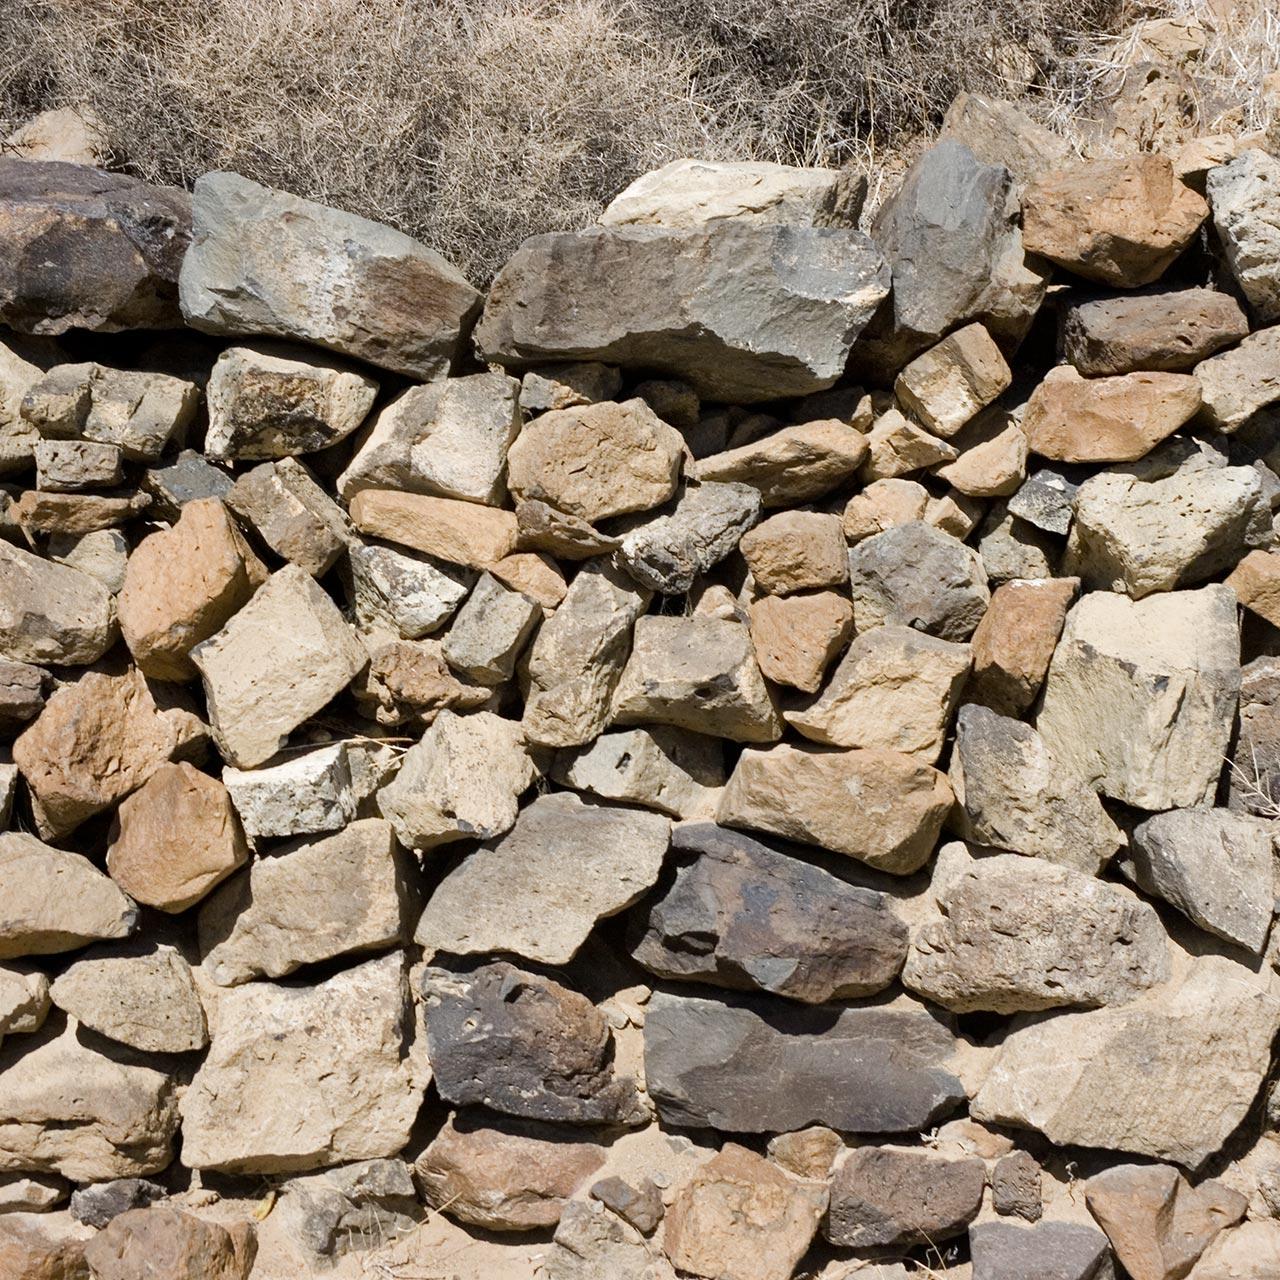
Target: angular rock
pixel 491 631
pixel 1011 548
pixel 819 938
pixel 998 133
pixel 52 613
pixel 1254 773
pixel 18 437
pixel 67 466
pixel 542 528
pixel 74 513
pixel 410 682
pixel 948 384
pixel 1239 383
pixel 345 894
pixel 1250 1251
pixel 271 1096
pixel 22 693
pixel 894 689
pixel 992 461
pixel 1013 792
pixel 302 795
pixel 916 576
pixel 1048 1251
pixel 882 505
pixel 1242 194
pixel 187 478
pixel 34 1248
pixel 561 386
pixel 278 661
pixel 24 1000
pixel 524 1045
pixel 795 638
pixel 175 838
pixel 1015 640
pixel 1011 934
pixel 534 575
pixel 408 593
pixel 172 1244
pixel 538 891
pixel 741 1216
pixel 1015 1187
pixel 102 554
pixel 1169 1075
pixel 265 262
pixel 292 514
pixel 87 249
pixel 1045 499
pixel 590 1242
pixel 100 1202
pixel 463 533
pixel 742 313
pixel 1120 222
pixel 715 1064
pixel 896 447
pixel 1256 582
pixel 1141 695
pixel 796 551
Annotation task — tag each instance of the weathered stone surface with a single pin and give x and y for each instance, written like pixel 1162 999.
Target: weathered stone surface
pixel 81 1107
pixel 175 838
pixel 22 690
pixel 542 528
pixel 1250 1251
pixel 302 795
pixel 1048 1251
pixel 271 1096
pixel 1141 695
pixel 1242 194
pixel 1014 792
pixel 278 661
pixel 462 780
pixel 1045 499
pixel 590 1242
pixel 34 1248
pixel 140 995
pixel 186 479
pixel 697 673
pixel 264 262
pixel 538 891
pixel 902 1196
pixel 52 613
pixel 88 249
pixel 998 133
pixel 1075 419
pixel 1158 1224
pixel 407 593
pixel 562 385
pixel 945 386
pixel 716 1063
pixel 1015 640
pixel 662 768
pixel 796 551
pixel 524 1045
pixel 184 584
pixel 1254 780
pixel 103 554
pixel 409 681
pixel 1168 1075
pixel 796 637
pixel 18 437
pixel 742 313
pixel 1011 548
pixel 882 505
pixel 1215 866
pixel 881 807
pixel 24 1001
pixel 739 1215
pixel 344 894
pixel 1015 1187
pixel 1120 222
pixel 173 1245
pixel 96 1204
pixel 504 1175
pixel 894 688
pixel 992 461
pixel 535 575
pixel 819 938
pixel 448 438
pixel 1238 383
pixel 1171 331
pixel 490 632
pixel 463 533
pixel 916 576
pixel 896 447
pixel 71 513
pixel 1256 582
pixel 67 466
pixel 1012 934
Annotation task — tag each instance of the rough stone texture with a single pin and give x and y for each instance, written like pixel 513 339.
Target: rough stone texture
pixel 1256 582
pixel 409 594
pixel 463 533
pixel 1120 222
pixel 504 1175
pixel 1169 1075
pixel 96 1204
pixel 796 637
pixel 1015 640
pixel 1141 695
pixel 1016 1187
pixel 535 575
pixel 561 386
pixel 1255 779
pixel 742 916
pixel 347 893
pixel 271 1096
pixel 264 262
pixel 741 1216
pixel 881 807
pixel 796 551
pixel 1239 383
pixel 175 838
pixel 292 514
pixel 24 1001
pixel 541 527
pixel 992 449
pixel 490 632
pixel 717 1063
pixel 1011 548
pixel 82 1107
pixel 1242 194
pixel 919 577
pixel 1048 1251
pixel 590 1242
pixel 538 891
pixel 278 661
pixel 73 513
pixel 87 249
pixel 1120 419
pixel 902 1196
pixel 1215 866
pixel 22 693
pixel 301 795
pixel 882 505
pixel 1044 501
pixel 1011 934
pixel 998 133
pixel 50 612
pixel 102 554
pixel 67 466
pixel 742 313
pixel 1170 331
pixel 33 1248
pixel 697 673
pixel 896 446
pixel 171 1245
pixel 524 1045
pixel 409 682
pixel 894 688
pixel 188 477
pixel 945 386
pixel 1014 792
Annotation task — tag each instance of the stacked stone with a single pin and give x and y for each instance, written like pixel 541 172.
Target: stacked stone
pixel 751 750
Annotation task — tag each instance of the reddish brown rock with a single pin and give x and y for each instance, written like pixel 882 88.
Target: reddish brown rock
pixel 796 637
pixel 1256 581
pixel 73 513
pixel 34 1248
pixel 170 1244
pixel 796 551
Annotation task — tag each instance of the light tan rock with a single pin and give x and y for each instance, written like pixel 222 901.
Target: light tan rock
pixel 463 533
pixel 37 512
pixel 1238 383
pixel 1250 1251
pixel 993 456
pixel 102 554
pixel 896 446
pixel 1242 193
pixel 18 437
pixel 24 1003
pixel 947 385
pixel 881 807
pixel 534 575
pixel 168 1241
pixel 795 638
pixel 1256 582
pixel 51 612
pixel 74 135
pixel 36 1247
pixel 796 551
pixel 881 505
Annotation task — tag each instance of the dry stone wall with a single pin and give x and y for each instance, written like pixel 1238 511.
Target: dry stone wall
pixel 750 751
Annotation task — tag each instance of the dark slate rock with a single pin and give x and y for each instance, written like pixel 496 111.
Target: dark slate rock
pixel 740 915
pixel 1015 1186
pixel 98 1203
pixel 1048 1251
pixel 754 1065
pixel 1044 498
pixel 187 478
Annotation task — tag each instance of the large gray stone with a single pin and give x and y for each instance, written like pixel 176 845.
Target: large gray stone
pixel 1242 194
pixel 1241 382
pixel 1047 1251
pixel 51 612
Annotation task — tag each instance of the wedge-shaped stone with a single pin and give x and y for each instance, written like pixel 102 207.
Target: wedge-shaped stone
pixel 462 533
pixel 263 261
pixel 404 592
pixel 540 527
pixel 1169 1075
pixel 278 661
pixel 168 1241
pixel 716 1064
pixel 1238 383
pixel 272 1096
pixel 821 939
pixel 51 612
pixel 538 891
pixel 1243 194
pixel 948 384
pixel 491 631
pixel 292 514
pixel 795 638
pixel 301 795
pixel 999 133
pixel 897 446
pixel 742 313
pixel 1012 934
pixel 1141 695
pixel 24 1002
pixel 992 455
